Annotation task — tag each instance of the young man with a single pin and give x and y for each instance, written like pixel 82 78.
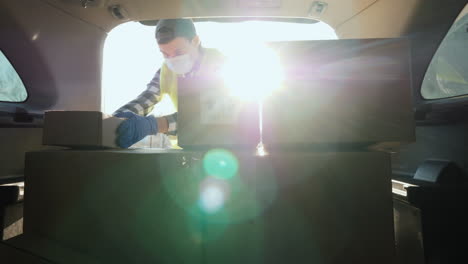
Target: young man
pixel 184 56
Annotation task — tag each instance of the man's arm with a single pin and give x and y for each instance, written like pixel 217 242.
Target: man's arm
pixel 137 126
pixel 145 102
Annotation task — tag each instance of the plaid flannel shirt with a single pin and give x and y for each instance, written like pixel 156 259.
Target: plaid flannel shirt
pixel 145 102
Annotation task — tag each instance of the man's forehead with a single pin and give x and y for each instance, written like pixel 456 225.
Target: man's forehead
pixel 175 44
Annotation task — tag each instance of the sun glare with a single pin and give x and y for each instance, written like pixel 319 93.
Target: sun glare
pixel 252 73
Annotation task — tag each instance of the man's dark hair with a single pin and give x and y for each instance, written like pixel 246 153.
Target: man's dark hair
pixel 169 29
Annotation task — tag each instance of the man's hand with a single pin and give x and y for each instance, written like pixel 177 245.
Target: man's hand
pixel 135 128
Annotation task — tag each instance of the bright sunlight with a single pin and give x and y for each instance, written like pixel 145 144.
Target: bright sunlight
pixel 259 68
pixel 131 57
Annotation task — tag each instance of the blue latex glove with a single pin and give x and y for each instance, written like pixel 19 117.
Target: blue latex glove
pixel 135 128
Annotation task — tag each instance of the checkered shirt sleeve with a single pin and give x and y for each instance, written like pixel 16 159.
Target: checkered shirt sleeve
pixel 146 101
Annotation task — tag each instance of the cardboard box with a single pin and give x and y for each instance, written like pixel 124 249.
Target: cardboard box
pixel 354 93
pixel 208 116
pixel 151 206
pixel 351 92
pixel 18 255
pixel 80 129
pixel 40 250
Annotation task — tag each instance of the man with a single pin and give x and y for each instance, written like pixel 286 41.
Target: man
pixel 184 56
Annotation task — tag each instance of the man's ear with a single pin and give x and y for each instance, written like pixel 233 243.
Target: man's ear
pixel 196 41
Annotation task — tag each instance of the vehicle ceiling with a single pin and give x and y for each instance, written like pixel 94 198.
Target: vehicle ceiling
pixel 337 12
pixel 349 18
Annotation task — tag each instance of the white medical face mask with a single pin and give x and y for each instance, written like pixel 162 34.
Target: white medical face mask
pixel 181 64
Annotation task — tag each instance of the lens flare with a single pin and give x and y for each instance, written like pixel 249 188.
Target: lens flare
pixel 252 73
pixel 220 163
pixel 214 193
pixel 211 199
pixel 261 151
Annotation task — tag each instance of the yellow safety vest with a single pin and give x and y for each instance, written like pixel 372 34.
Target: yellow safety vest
pixel 210 62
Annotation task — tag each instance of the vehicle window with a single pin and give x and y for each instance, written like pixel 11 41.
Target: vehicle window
pixel 447 75
pixel 11 87
pixel 131 55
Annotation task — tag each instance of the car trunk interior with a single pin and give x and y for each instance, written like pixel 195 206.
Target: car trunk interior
pixel 56 46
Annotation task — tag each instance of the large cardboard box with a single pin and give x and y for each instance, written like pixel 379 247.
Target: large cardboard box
pixel 12 254
pixel 208 116
pixel 146 206
pixel 80 129
pixel 353 92
pixel 24 249
pixel 347 92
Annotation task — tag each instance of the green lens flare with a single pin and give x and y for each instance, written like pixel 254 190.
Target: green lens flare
pixel 220 163
pixel 211 199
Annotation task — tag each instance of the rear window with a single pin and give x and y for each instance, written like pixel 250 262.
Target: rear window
pixel 447 75
pixel 11 87
pixel 131 55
